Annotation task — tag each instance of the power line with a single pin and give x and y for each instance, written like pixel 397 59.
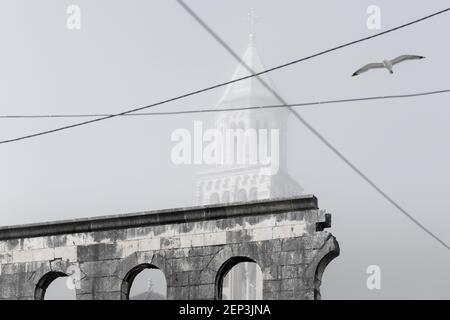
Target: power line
pixel 310 127
pixel 194 111
pixel 192 93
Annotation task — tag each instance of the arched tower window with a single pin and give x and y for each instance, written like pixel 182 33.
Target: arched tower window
pixel 226 197
pixel 253 194
pixel 214 198
pixel 242 195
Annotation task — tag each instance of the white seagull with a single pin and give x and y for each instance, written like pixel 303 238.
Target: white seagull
pixel 388 64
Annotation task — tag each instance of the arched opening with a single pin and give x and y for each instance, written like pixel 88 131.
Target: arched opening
pixel 320 270
pixel 226 197
pixel 144 282
pixel 242 195
pixel 214 198
pixel 253 194
pixel 55 286
pixel 240 278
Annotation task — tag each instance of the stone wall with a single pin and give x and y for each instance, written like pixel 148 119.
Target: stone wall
pixel 193 247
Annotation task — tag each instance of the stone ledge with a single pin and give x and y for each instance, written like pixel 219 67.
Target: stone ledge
pixel 160 217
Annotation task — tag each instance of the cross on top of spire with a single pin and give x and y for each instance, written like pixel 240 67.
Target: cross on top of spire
pixel 252 17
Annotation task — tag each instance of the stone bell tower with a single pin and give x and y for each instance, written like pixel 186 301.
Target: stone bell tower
pixel 249 181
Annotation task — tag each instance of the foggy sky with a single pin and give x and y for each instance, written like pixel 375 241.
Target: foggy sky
pixel 133 53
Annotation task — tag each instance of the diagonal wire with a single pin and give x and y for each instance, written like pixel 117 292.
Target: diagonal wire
pixel 193 111
pixel 307 125
pixel 192 93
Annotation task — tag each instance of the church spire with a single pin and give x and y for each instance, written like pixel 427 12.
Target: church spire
pixel 248 92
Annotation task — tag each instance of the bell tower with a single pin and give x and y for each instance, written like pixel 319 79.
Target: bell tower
pixel 249 181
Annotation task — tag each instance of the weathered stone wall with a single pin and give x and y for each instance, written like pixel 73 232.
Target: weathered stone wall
pixel 194 250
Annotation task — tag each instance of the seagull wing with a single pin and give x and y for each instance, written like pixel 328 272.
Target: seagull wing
pixel 368 67
pixel 405 57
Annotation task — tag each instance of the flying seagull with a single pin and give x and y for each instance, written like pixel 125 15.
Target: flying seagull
pixel 388 64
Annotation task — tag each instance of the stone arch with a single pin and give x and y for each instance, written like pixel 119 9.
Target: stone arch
pixel 247 250
pixel 130 276
pixel 326 254
pixel 132 265
pixel 320 270
pixel 45 281
pixel 48 272
pixel 223 271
